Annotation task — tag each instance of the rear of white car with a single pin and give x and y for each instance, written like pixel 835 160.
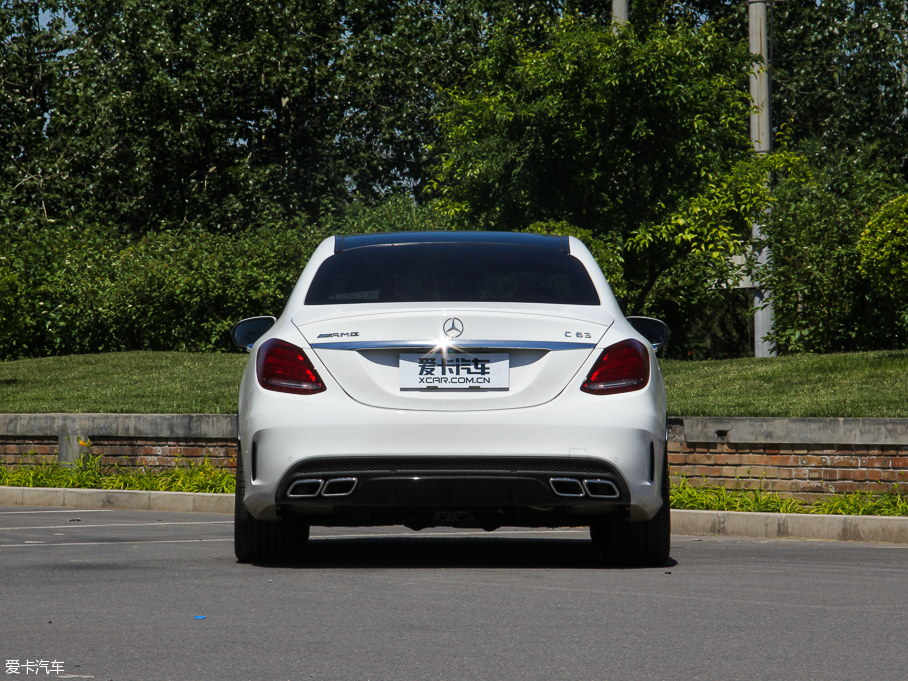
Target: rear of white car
pixel 462 379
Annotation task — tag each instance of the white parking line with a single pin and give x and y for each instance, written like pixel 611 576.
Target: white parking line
pixel 65 510
pixel 83 525
pixel 343 536
pixel 130 542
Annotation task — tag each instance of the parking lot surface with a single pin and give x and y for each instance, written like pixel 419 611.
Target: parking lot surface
pixel 120 595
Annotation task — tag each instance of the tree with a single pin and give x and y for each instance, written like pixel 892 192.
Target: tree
pixel 823 301
pixel 230 114
pixel 836 70
pixel 29 69
pixel 643 137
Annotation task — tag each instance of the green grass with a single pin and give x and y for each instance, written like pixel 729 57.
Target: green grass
pixel 123 383
pixel 871 384
pixel 866 385
pixel 87 473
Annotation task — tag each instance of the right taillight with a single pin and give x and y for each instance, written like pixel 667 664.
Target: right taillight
pixel 284 368
pixel 621 368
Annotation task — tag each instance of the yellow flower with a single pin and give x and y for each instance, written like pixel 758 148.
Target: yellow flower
pixel 84 443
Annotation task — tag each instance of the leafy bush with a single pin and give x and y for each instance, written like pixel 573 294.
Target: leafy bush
pixel 10 320
pixel 72 290
pixel 87 473
pixel 89 290
pixel 883 247
pixel 823 301
pixel 706 498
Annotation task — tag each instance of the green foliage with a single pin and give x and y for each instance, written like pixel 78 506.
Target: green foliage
pixel 603 130
pixel 715 222
pixel 225 115
pixel 822 300
pixel 883 248
pixel 10 319
pixel 707 498
pixel 835 79
pixel 90 291
pixel 31 40
pixel 709 320
pixel 68 291
pixel 396 213
pixel 638 138
pixel 88 473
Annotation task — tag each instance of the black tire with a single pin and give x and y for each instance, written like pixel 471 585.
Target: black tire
pixel 637 544
pixel 260 541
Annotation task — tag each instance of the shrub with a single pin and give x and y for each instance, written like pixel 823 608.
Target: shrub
pixel 883 247
pixel 823 301
pixel 91 291
pixel 72 290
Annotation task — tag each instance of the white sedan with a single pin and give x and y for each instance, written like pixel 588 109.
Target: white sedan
pixel 461 379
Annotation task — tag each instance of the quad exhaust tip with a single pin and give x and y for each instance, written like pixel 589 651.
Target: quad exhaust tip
pixel 313 487
pixel 339 487
pixel 304 489
pixel 566 487
pixel 595 489
pixel 601 489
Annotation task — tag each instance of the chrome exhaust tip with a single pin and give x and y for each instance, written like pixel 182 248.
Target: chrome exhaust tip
pixel 339 487
pixel 601 489
pixel 303 489
pixel 566 487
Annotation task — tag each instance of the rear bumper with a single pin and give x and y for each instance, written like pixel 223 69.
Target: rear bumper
pixel 455 468
pixel 429 491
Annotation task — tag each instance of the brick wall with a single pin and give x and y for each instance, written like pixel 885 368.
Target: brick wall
pixel 13 449
pixel 147 453
pixel 149 441
pixel 805 471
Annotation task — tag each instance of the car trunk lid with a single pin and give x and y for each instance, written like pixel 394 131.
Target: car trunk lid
pixel 377 357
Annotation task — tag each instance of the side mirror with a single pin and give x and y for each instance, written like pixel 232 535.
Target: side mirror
pixel 246 332
pixel 654 330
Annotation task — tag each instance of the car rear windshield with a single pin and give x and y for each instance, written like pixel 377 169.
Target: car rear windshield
pixel 494 273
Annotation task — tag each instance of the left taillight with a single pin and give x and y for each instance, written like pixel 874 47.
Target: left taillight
pixel 621 368
pixel 284 368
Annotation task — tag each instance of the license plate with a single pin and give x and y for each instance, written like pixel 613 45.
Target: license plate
pixel 454 371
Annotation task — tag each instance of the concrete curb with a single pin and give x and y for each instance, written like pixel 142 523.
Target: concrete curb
pixel 892 530
pixel 131 500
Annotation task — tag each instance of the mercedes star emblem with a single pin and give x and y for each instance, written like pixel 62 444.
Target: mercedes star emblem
pixel 453 327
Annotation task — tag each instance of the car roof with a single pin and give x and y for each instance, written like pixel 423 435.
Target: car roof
pixel 346 243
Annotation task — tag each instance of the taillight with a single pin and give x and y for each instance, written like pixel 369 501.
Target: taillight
pixel 621 368
pixel 284 368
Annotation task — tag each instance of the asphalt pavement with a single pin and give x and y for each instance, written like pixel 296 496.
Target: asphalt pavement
pixel 114 594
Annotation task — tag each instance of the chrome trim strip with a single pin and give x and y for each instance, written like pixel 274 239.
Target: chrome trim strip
pixel 410 345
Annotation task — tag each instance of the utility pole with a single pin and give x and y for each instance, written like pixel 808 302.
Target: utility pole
pixel 619 12
pixel 761 136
